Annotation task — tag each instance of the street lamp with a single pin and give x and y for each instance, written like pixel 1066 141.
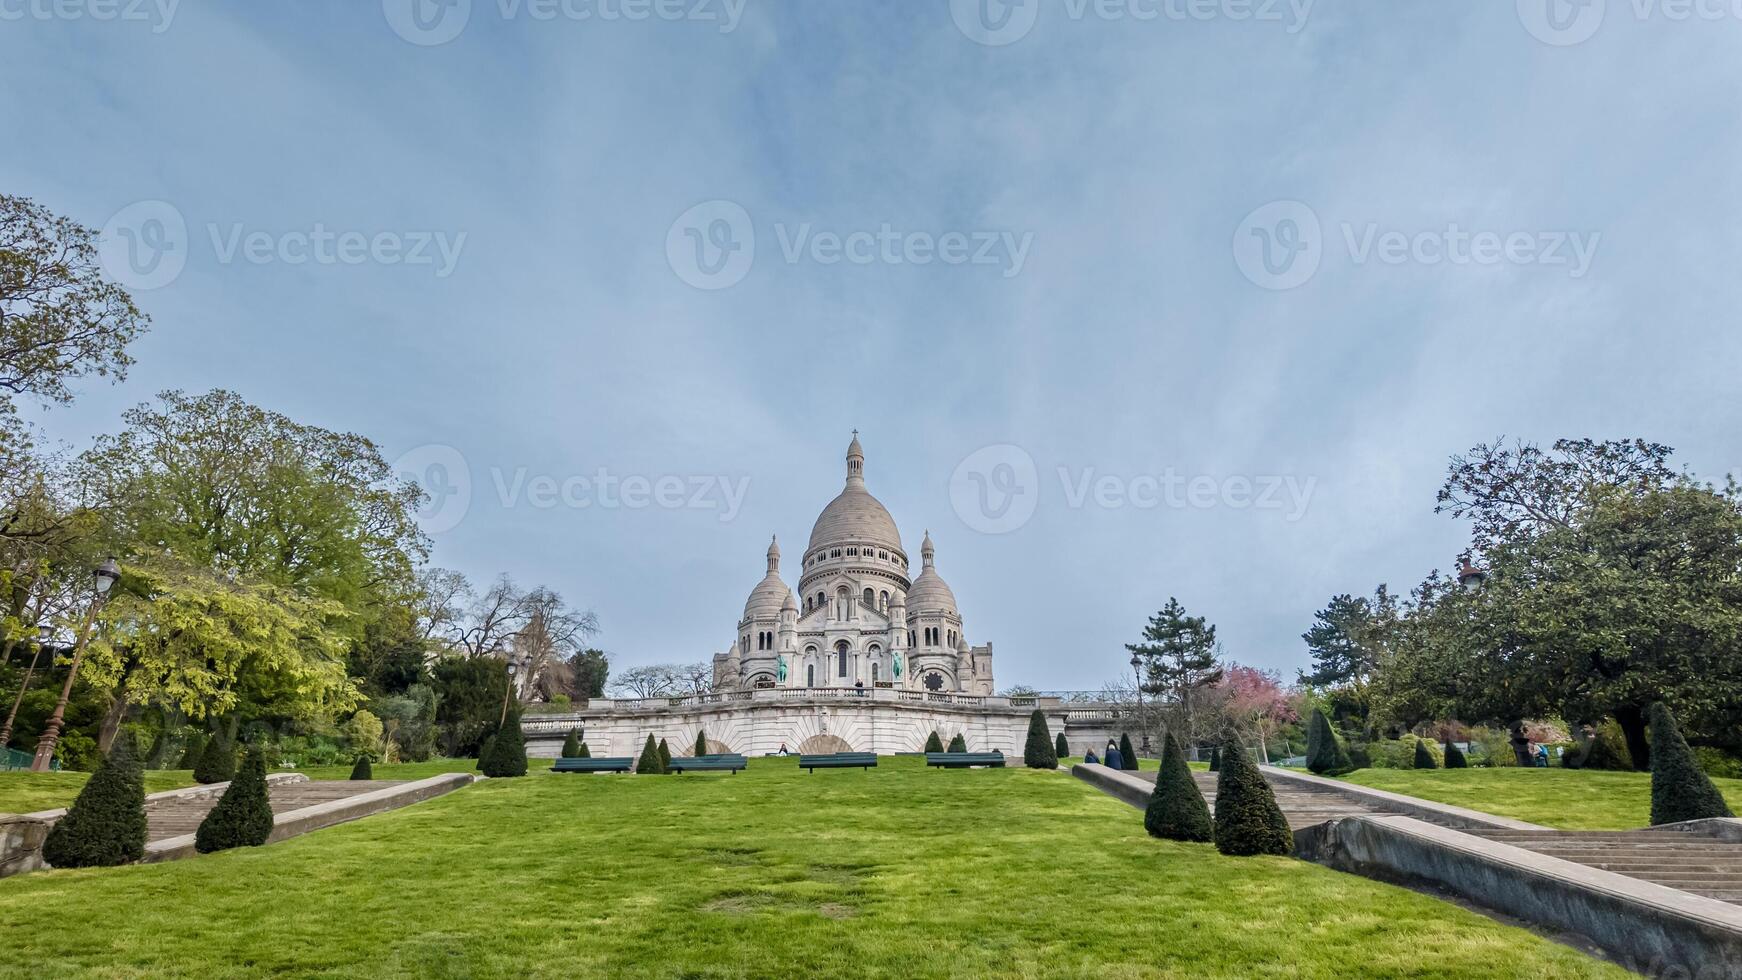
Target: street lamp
pixel 513 668
pixel 1143 731
pixel 44 633
pixel 104 577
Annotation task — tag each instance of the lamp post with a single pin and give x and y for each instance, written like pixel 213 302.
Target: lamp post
pixel 104 577
pixel 1142 729
pixel 513 668
pixel 44 632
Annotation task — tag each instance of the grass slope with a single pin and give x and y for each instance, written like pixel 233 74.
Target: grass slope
pixel 1571 799
pixel 900 871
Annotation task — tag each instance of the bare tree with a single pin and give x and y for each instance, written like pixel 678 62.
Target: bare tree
pixel 648 681
pixel 696 678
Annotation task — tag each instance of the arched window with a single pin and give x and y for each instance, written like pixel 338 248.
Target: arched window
pixel 841 659
pixel 883 601
pixel 873 673
pixel 810 675
pixel 870 599
pixel 821 600
pixel 912 638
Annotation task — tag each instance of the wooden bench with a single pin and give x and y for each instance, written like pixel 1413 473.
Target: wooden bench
pixel 962 760
pixel 840 760
pixel 708 763
pixel 601 764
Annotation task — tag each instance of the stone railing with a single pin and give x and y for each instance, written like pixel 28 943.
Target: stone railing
pixel 549 723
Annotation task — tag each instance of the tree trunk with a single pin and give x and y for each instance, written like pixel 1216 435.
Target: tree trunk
pixel 1632 721
pixel 112 720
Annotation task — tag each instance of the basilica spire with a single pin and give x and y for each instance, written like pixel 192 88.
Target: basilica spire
pixel 774 555
pixel 855 463
pixel 926 551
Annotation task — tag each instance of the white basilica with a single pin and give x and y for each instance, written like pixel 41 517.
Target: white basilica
pixel 862 623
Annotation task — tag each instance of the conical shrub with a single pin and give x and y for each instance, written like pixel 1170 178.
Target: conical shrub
pixel 1215 758
pixel 362 770
pixel 648 764
pixel 1061 747
pixel 958 744
pixel 505 756
pixel 1177 810
pixel 572 745
pixel 217 761
pixel 1679 790
pixel 933 743
pixel 1608 750
pixel 586 753
pixel 1127 754
pixel 701 743
pixel 190 756
pixel 243 816
pixel 1423 758
pixel 1325 752
pixel 106 824
pixel 1455 756
pixel 664 757
pixel 1039 752
pixel 1248 821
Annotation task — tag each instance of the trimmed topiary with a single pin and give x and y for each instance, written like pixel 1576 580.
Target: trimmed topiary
pixel 1679 790
pixel 958 744
pixel 648 764
pixel 1061 747
pixel 572 745
pixel 243 816
pixel 1127 754
pixel 586 753
pixel 933 743
pixel 1455 756
pixel 1039 752
pixel 1423 758
pixel 190 756
pixel 701 743
pixel 664 756
pixel 1177 810
pixel 1325 754
pixel 362 770
pixel 106 824
pixel 1608 750
pixel 217 761
pixel 1248 821
pixel 505 756
pixel 1215 758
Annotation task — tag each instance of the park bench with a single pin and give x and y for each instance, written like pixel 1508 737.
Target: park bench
pixel 962 760
pixel 708 763
pixel 601 764
pixel 840 760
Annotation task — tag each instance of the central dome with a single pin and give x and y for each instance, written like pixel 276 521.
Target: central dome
pixel 855 515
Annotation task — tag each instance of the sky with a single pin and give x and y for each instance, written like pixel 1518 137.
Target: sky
pixel 1127 299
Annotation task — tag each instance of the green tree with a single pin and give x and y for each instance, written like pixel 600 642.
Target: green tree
pixel 586 753
pixel 1679 789
pixel 1423 758
pixel 1455 756
pixel 933 743
pixel 1177 810
pixel 1177 659
pixel 572 745
pixel 1215 758
pixel 1608 750
pixel 106 823
pixel 958 743
pixel 243 815
pixel 664 757
pixel 469 694
pixel 1039 751
pixel 649 764
pixel 1061 746
pixel 1248 821
pixel 506 756
pixel 1127 754
pixel 362 770
pixel 1325 753
pixel 217 761
pixel 190 756
pixel 701 743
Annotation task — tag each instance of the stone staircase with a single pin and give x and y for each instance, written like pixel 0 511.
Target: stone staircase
pixel 1696 864
pixel 175 817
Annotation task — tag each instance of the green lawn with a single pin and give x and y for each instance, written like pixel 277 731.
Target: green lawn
pixel 1571 799
pixel 900 871
pixel 27 792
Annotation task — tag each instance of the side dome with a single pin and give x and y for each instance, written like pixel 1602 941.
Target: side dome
pixel 930 593
pixel 771 595
pixel 855 515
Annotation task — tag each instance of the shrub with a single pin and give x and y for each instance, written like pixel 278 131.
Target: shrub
pixel 217 761
pixel 1127 754
pixel 1608 750
pixel 1679 790
pixel 586 753
pixel 933 743
pixel 572 745
pixel 648 764
pixel 958 744
pixel 1248 821
pixel 505 756
pixel 1423 758
pixel 1039 752
pixel 1177 810
pixel 1360 755
pixel 243 816
pixel 106 824
pixel 1325 754
pixel 1491 748
pixel 1215 758
pixel 1398 754
pixel 190 756
pixel 664 757
pixel 1061 747
pixel 1717 763
pixel 363 732
pixel 362 770
pixel 1455 757
pixel 701 743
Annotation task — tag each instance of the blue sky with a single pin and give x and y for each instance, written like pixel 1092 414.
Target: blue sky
pixel 1480 221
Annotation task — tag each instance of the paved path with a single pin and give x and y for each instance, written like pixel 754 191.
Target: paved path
pixel 172 818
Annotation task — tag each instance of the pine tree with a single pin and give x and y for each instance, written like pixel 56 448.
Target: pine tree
pixel 1423 758
pixel 1177 810
pixel 106 823
pixel 1248 821
pixel 958 744
pixel 1062 747
pixel 933 743
pixel 572 745
pixel 648 764
pixel 217 761
pixel 1039 752
pixel 1679 790
pixel 1127 754
pixel 362 770
pixel 664 757
pixel 701 743
pixel 586 753
pixel 1325 753
pixel 505 756
pixel 190 756
pixel 243 816
pixel 1455 756
pixel 1177 656
pixel 1215 758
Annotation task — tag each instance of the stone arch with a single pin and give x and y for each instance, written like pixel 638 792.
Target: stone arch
pixel 823 745
pixel 717 747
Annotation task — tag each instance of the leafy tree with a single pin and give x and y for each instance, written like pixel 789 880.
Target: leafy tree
pixel 1177 810
pixel 1039 751
pixel 1177 658
pixel 362 770
pixel 217 761
pixel 589 671
pixel 1679 789
pixel 1325 752
pixel 572 745
pixel 664 757
pixel 933 743
pixel 1061 747
pixel 1255 701
pixel 1127 754
pixel 106 823
pixel 1423 758
pixel 701 743
pixel 1348 638
pixel 958 743
pixel 243 815
pixel 1455 756
pixel 469 695
pixel 1248 821
pixel 649 764
pixel 506 756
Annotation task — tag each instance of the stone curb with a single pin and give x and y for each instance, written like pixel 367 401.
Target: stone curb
pixel 294 823
pixel 1727 829
pixel 1413 806
pixel 1115 783
pixel 200 792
